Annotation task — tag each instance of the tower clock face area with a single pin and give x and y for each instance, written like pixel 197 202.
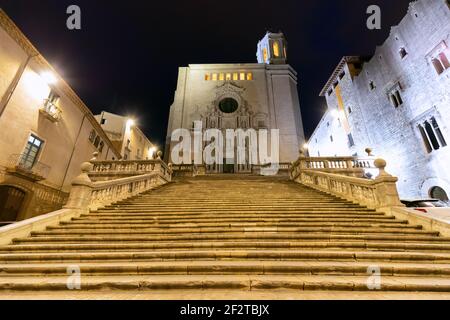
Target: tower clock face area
pixel 228 105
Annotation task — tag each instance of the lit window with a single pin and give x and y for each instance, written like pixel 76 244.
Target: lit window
pixel 228 77
pixel 214 76
pixel 265 54
pixel 222 77
pixel 207 77
pixel 235 76
pixel 276 49
pixel 249 76
pixel 242 76
pixel 31 152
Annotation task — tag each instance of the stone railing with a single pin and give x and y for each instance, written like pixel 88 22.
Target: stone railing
pixel 349 166
pixel 380 193
pixel 141 176
pixel 283 169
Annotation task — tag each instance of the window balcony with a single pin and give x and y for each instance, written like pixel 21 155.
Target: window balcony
pixel 51 111
pixel 20 165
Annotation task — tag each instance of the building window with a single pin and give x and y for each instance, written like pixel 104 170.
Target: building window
pixel 351 142
pixel 97 142
pixel 328 124
pixel 441 63
pixel 396 98
pixel 51 108
pixel 276 49
pixel 101 146
pixel 372 85
pixel 331 139
pixel 235 76
pixel 350 110
pixel 222 77
pixel 265 54
pixel 207 77
pixel 214 77
pixel 342 75
pixel 432 135
pixel 92 136
pixel 242 76
pixel 249 76
pixel 228 77
pixel 103 121
pixel 330 92
pixel 403 53
pixel 31 152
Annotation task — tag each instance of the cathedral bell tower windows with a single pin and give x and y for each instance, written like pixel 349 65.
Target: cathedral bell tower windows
pixel 276 49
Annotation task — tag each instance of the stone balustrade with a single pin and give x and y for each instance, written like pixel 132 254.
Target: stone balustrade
pixel 349 166
pixel 140 176
pixel 379 193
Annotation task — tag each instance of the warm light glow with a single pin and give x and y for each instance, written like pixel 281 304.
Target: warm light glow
pixel 151 152
pixel 276 49
pixel 305 146
pixel 35 86
pixel 265 54
pixel 130 123
pixel 49 77
pixel 335 113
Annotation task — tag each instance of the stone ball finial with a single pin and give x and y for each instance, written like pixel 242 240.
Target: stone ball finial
pixel 95 156
pixel 159 154
pixel 86 167
pixel 381 165
pixel 369 152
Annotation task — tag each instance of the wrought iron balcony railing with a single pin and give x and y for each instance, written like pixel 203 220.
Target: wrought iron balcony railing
pixel 51 110
pixel 19 164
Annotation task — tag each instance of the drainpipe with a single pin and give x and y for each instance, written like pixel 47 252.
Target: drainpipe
pixel 73 151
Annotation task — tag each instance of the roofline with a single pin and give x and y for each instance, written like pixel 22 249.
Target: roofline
pixel 337 70
pixel 17 35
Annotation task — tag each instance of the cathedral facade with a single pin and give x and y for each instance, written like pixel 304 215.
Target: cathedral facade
pixel 396 102
pixel 255 96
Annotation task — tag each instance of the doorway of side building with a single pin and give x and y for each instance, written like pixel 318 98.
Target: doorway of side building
pixel 439 193
pixel 11 201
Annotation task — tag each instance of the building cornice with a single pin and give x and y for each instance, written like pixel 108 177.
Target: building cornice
pixel 337 70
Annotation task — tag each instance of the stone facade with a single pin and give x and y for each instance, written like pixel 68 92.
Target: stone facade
pixel 126 135
pixel 264 93
pixel 47 131
pixel 397 102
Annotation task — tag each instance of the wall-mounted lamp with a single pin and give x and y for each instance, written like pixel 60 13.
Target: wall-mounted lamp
pixel 49 77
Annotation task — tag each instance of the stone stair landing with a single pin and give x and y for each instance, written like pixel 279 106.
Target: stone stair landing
pixel 230 232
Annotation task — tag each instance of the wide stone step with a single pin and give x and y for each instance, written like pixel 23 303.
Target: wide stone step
pixel 126 225
pixel 227 282
pixel 232 237
pixel 230 245
pixel 231 267
pixel 217 209
pixel 247 255
pixel 198 230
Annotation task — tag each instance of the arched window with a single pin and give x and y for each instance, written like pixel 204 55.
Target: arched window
pixel 276 49
pixel 431 135
pixel 438 193
pixel 265 54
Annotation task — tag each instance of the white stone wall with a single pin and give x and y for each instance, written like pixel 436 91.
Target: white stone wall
pixel 270 96
pixel 393 132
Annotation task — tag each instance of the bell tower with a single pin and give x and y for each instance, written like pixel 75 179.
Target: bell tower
pixel 272 49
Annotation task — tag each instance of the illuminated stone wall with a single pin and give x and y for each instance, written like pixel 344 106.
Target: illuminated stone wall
pixel 393 131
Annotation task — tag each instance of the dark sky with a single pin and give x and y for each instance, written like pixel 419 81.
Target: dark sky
pixel 126 57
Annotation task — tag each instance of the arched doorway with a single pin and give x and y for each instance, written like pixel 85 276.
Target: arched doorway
pixel 11 200
pixel 438 193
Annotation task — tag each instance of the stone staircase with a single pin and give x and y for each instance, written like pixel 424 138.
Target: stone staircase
pixel 230 232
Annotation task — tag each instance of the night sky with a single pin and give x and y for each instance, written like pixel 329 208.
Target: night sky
pixel 126 57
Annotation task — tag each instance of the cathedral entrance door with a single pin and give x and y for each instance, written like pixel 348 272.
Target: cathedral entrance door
pixel 227 168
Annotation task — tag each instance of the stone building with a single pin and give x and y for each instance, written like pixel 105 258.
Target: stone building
pixel 256 96
pixel 397 102
pixel 46 130
pixel 126 136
